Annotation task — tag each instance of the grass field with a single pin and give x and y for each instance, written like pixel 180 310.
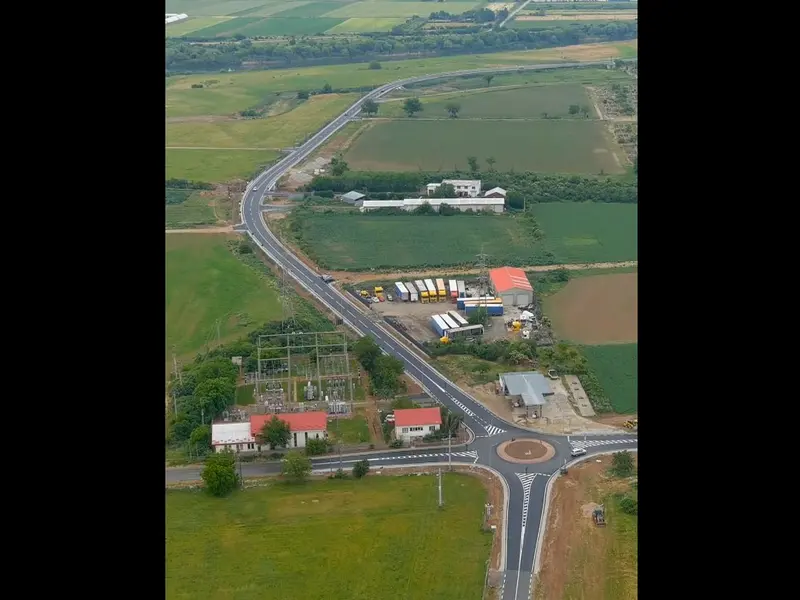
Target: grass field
pixel 195 210
pixel 273 133
pixel 396 9
pixel 193 24
pixel 216 166
pixel 585 232
pixel 616 367
pixel 523 102
pixel 233 92
pixel 360 540
pixel 206 283
pixel 244 394
pixel 556 146
pixel 361 25
pixel 350 431
pixel 355 242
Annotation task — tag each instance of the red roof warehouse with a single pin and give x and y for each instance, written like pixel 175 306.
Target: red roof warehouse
pixel 309 421
pixel 414 417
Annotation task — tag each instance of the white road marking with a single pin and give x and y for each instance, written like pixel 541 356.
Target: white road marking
pixel 594 443
pixel 492 430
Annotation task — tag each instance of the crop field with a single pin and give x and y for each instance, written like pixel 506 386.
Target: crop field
pixel 546 146
pixel 270 543
pixel 241 8
pixel 227 93
pixel 193 24
pixel 273 133
pixel 256 26
pixel 206 283
pixel 599 309
pixel 362 25
pixel 216 166
pixel 616 368
pixel 549 24
pixel 589 232
pixel 523 102
pixel 396 9
pixel 195 210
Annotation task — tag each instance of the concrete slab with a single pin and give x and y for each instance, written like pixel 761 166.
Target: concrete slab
pixel 582 401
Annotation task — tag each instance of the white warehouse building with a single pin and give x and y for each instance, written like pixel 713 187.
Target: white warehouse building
pixel 493 204
pixel 465 188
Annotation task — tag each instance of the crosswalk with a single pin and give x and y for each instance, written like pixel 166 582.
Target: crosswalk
pixel 467 454
pixel 527 481
pixel 593 443
pixel 492 430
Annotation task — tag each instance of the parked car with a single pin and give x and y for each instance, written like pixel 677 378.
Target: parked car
pixel 578 452
pixel 327 278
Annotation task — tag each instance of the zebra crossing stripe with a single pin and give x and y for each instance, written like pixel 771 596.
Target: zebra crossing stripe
pixel 492 430
pixel 594 443
pixel 527 480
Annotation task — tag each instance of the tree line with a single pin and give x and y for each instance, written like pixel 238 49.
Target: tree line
pixel 184 55
pixel 522 188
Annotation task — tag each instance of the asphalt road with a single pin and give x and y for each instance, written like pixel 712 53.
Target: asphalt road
pixel 527 490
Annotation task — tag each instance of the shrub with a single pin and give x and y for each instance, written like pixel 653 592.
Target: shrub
pixel 360 469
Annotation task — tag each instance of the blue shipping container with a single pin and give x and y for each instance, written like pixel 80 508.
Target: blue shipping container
pixel 493 310
pixel 438 325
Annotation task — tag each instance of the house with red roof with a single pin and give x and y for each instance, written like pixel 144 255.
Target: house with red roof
pixel 303 426
pixel 415 423
pixel 512 286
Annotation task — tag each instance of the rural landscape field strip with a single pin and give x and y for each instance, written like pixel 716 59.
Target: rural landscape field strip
pixel 616 367
pixel 361 540
pixel 216 165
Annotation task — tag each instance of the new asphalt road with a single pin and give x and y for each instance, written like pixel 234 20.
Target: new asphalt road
pixel 526 489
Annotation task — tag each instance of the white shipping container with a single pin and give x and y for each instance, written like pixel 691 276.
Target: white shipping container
pixel 462 288
pixel 431 288
pixel 401 290
pixel 458 318
pixel 451 324
pixel 440 286
pixel 453 287
pixel 413 295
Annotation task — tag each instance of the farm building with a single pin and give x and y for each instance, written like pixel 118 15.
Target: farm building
pixel 409 204
pixel 512 286
pixel 416 423
pixel 495 192
pixel 530 389
pixel 236 437
pixel 352 197
pixel 174 18
pixel 303 426
pixel 465 188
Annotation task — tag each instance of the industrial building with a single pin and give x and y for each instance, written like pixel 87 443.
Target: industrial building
pixel 512 286
pixel 465 188
pixel 235 437
pixel 529 389
pixel 352 197
pixel 495 192
pixel 492 204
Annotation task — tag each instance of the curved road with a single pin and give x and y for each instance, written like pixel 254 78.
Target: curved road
pixel 527 490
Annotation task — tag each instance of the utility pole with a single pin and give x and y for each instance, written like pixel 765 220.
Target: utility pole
pixel 340 450
pixel 441 502
pixel 180 379
pixel 241 477
pixel 319 372
pixel 449 452
pixel 482 262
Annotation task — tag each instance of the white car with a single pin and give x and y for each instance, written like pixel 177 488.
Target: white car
pixel 578 452
pixel 390 418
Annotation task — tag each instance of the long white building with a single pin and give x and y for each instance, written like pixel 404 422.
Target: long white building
pixel 493 204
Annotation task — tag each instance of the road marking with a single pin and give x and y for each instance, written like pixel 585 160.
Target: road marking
pixel 526 479
pixel 595 443
pixel 467 454
pixel 492 430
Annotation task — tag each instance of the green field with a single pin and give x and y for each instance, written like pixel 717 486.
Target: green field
pixel 350 431
pixel 397 9
pixel 216 166
pixel 523 102
pixel 207 283
pixel 244 394
pixel 272 133
pixel 616 368
pixel 360 540
pixel 546 146
pixel 257 26
pixel 361 25
pixel 192 24
pixel 233 92
pixel 589 232
pixel 235 8
pixel 194 211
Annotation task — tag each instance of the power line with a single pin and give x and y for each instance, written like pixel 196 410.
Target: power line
pixel 286 293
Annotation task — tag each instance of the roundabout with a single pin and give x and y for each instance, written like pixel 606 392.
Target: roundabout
pixel 525 451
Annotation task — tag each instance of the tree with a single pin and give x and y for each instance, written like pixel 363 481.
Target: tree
pixel 491 161
pixel 213 396
pixel 361 468
pixel 473 163
pixel 385 376
pixel 479 317
pixel 622 464
pixel 315 447
pixel 446 190
pixel 574 109
pixel 585 111
pixel 452 108
pixel 302 95
pixel 370 107
pixel 367 352
pixel 276 433
pixel 327 89
pixel 488 79
pixel 219 474
pixel 339 166
pixel 200 439
pixel 375 65
pixel 544 114
pixel 296 465
pixel 412 105
pixel 450 421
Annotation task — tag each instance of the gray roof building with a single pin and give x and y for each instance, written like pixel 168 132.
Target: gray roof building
pixel 352 197
pixel 531 386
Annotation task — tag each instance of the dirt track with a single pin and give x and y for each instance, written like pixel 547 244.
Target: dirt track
pixel 226 229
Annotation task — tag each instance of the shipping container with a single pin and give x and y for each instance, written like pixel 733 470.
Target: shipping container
pixel 413 295
pixel 462 322
pixel 465 332
pixel 453 287
pixel 451 324
pixel 432 294
pixel 462 288
pixel 423 291
pixel 438 325
pixel 461 301
pixel 493 310
pixel 442 290
pixel 401 290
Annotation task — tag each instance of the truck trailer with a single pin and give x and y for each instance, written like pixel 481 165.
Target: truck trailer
pixel 461 301
pixel 401 291
pixel 413 295
pixel 453 289
pixel 451 324
pixel 462 288
pixel 442 290
pixel 462 322
pixel 439 326
pixel 423 291
pixel 493 310
pixel 433 295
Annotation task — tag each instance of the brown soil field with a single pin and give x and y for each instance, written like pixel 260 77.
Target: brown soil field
pixel 579 559
pixel 601 309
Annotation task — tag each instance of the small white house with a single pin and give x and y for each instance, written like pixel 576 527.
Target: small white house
pixel 465 188
pixel 415 423
pixel 303 426
pixel 352 197
pixel 235 437
pixel 495 192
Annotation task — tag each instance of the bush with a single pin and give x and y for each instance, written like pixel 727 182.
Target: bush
pixel 622 464
pixel 219 474
pixel 339 474
pixel 360 469
pixel 629 505
pixel 316 447
pixel 396 444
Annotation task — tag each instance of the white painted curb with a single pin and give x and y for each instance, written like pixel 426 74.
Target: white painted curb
pixel 546 503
